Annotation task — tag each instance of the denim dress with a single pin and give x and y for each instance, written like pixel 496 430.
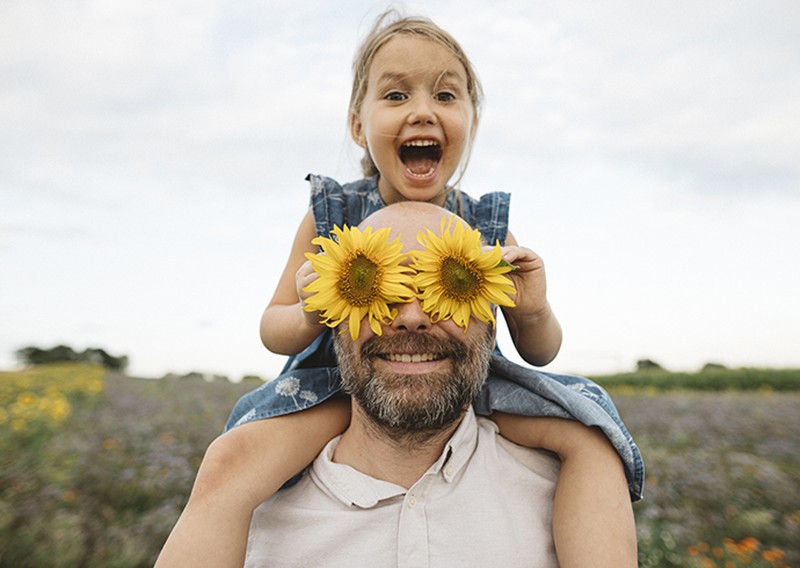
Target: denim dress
pixel 312 376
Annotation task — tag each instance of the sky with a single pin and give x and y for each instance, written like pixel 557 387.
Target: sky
pixel 153 156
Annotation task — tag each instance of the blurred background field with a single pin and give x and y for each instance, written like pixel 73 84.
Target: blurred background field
pixel 95 466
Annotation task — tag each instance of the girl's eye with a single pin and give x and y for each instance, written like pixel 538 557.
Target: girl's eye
pixel 445 96
pixel 395 96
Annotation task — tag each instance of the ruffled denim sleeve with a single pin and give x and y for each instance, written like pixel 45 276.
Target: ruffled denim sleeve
pixel 338 205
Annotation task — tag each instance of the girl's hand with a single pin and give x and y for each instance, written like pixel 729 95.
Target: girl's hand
pixel 532 324
pixel 529 280
pixel 306 275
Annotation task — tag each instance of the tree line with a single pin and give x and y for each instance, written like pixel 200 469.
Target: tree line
pixel 63 353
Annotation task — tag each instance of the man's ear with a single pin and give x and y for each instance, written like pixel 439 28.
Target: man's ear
pixel 357 130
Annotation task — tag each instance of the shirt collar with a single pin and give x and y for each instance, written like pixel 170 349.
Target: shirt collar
pixel 354 488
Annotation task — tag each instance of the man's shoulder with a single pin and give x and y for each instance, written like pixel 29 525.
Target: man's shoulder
pixel 539 461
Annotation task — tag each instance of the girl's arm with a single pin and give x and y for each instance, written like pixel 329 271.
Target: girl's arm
pixel 593 522
pixel 286 328
pixel 532 324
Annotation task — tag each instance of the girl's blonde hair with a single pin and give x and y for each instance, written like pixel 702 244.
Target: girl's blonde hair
pixel 388 25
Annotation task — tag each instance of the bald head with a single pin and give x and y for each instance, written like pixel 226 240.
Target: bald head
pixel 406 218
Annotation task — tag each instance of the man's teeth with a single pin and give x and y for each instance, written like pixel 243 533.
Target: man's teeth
pixel 408 358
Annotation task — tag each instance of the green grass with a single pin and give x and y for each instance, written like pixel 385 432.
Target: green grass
pixel 708 380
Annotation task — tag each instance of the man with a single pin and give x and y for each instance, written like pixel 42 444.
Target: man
pixel 416 479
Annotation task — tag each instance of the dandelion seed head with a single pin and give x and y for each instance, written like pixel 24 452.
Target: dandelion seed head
pixel 288 386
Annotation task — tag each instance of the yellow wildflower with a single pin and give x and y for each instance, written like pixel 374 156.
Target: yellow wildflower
pixel 27 400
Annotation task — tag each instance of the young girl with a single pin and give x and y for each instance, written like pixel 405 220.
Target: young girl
pixel 414 109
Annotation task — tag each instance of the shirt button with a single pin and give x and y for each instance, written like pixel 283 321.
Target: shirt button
pixel 412 502
pixel 448 471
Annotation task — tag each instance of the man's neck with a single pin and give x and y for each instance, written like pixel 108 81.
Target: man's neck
pixel 398 459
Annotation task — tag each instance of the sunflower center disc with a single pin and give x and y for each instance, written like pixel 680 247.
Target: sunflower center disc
pixel 358 283
pixel 459 280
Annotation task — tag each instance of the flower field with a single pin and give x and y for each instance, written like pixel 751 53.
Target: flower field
pixel 101 484
pixel 95 468
pixel 722 477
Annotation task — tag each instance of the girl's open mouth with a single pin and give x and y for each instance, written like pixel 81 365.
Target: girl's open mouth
pixel 421 157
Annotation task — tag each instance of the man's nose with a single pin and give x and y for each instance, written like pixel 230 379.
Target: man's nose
pixel 410 317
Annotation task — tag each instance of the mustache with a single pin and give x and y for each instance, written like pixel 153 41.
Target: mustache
pixel 410 342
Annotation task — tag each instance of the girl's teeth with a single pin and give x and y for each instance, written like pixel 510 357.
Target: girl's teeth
pixel 421 143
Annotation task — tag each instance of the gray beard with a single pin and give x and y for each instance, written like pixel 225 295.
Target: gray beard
pixel 414 408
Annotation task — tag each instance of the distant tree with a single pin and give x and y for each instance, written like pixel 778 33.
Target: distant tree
pixel 194 376
pixel 100 356
pixel 648 365
pixel 28 355
pixel 63 353
pixel 713 367
pixel 39 356
pixel 252 379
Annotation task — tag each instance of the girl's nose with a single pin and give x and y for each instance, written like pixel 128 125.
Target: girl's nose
pixel 422 111
pixel 410 317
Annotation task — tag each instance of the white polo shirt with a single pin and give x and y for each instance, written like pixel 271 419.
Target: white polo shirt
pixel 485 503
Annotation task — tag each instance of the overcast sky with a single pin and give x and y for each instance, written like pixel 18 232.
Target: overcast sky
pixel 152 158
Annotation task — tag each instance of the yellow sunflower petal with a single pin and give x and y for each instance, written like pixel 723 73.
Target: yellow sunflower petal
pixel 354 322
pixel 462 315
pixel 483 311
pixel 375 326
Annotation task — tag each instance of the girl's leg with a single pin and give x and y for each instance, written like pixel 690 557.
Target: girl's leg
pixel 240 470
pixel 593 522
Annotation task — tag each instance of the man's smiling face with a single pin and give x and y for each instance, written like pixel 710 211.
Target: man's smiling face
pixel 418 375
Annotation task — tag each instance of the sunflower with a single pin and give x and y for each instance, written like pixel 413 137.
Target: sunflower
pixel 359 275
pixel 457 278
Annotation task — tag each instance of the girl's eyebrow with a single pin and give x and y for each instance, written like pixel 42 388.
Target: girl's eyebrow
pixel 448 75
pixel 392 77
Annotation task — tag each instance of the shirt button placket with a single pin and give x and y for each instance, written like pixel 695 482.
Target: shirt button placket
pixel 412 541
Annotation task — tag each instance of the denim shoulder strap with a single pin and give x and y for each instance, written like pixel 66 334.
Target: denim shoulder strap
pixel 489 214
pixel 327 204
pixel 339 205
